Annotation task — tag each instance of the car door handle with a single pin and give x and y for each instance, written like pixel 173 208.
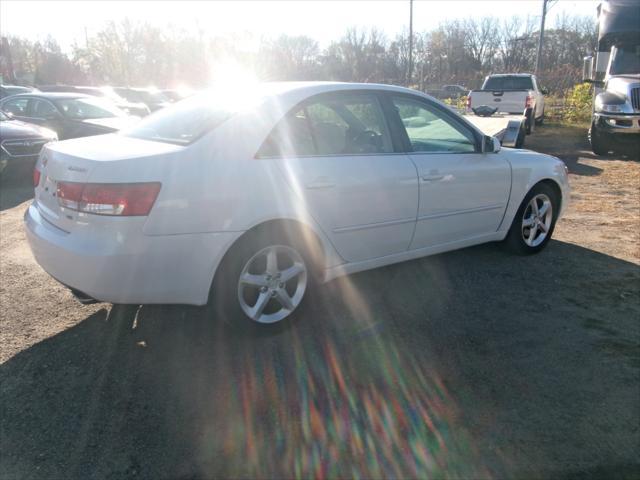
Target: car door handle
pixel 320 183
pixel 432 178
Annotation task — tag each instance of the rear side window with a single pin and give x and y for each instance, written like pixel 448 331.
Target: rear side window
pixel 42 109
pixel 333 125
pixel 16 106
pixel 292 136
pixel 508 83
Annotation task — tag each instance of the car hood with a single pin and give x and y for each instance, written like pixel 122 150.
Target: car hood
pixel 622 83
pixel 15 129
pixel 113 123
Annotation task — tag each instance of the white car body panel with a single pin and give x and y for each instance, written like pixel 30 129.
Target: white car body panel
pixel 461 196
pixel 363 209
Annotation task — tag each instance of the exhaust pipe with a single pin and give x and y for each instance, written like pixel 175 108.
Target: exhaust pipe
pixel 82 297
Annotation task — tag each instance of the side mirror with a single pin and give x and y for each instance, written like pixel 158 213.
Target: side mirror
pixel 491 145
pixel 8 114
pixel 587 69
pixel 544 91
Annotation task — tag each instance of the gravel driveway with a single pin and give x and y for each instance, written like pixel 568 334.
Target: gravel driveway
pixel 469 364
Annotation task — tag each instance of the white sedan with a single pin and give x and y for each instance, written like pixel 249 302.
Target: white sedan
pixel 247 199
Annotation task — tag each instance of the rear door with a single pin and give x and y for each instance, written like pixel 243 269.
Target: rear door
pixel 463 192
pixel 337 153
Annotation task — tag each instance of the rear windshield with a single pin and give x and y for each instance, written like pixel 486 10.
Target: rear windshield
pixel 88 108
pixel 508 83
pixel 184 122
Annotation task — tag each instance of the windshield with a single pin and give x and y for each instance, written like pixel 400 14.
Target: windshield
pixel 187 120
pixel 508 83
pixel 88 108
pixel 625 60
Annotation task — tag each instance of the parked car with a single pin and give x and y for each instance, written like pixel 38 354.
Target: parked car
pixel 8 90
pixel 153 99
pixel 177 95
pixel 249 198
pixel 511 93
pixel 20 145
pixel 139 109
pixel 449 91
pixel 70 115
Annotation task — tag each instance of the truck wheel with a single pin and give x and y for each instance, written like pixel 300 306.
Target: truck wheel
pixel 540 120
pixel 600 142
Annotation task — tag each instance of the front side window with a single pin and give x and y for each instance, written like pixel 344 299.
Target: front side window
pixel 429 130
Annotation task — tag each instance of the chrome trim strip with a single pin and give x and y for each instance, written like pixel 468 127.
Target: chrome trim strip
pixel 367 226
pixel 461 212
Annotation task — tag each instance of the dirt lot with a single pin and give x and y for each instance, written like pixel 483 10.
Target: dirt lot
pixel 468 364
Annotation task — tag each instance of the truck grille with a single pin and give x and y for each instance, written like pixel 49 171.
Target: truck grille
pixel 24 147
pixel 635 98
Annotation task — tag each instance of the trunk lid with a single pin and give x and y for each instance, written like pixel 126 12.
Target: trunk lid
pixel 105 158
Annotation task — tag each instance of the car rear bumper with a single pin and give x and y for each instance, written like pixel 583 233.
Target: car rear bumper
pixel 122 265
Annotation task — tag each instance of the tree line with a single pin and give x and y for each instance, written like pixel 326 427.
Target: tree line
pixel 456 52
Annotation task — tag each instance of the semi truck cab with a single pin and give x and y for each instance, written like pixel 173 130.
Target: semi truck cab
pixel 615 74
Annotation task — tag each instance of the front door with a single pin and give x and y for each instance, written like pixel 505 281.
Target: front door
pixel 463 192
pixel 337 153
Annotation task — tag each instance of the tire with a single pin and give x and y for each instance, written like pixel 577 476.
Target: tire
pixel 519 238
pixel 600 142
pixel 528 126
pixel 232 300
pixel 540 120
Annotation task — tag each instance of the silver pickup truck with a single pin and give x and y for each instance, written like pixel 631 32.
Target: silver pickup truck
pixel 510 93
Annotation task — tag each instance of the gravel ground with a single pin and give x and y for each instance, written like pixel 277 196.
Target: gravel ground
pixel 469 364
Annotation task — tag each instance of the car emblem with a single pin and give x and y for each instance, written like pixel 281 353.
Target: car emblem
pixel 27 143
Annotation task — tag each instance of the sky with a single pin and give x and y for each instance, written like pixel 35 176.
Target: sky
pixel 324 21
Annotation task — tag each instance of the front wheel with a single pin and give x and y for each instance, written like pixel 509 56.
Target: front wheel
pixel 534 222
pixel 262 282
pixel 600 142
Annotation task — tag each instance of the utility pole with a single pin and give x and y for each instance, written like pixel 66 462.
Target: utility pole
pixel 409 75
pixel 541 37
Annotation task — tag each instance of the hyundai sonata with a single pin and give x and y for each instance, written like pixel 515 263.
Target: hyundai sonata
pixel 247 199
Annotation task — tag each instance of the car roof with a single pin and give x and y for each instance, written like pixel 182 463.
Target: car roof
pixel 511 75
pixel 51 95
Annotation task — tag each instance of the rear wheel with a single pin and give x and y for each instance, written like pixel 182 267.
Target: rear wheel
pixel 540 119
pixel 262 282
pixel 534 222
pixel 600 141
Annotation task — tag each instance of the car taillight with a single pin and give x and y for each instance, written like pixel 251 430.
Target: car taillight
pixel 528 103
pixel 36 177
pixel 123 199
pixel 468 101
